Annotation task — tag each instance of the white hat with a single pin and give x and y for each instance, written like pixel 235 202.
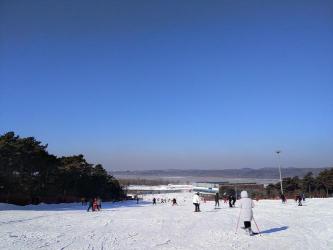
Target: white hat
pixel 244 194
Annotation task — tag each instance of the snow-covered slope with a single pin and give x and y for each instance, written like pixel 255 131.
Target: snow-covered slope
pixel 126 225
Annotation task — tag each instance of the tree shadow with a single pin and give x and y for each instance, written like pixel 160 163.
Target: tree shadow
pixel 72 206
pixel 274 230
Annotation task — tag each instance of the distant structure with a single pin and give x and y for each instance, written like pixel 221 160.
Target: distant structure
pixel 140 190
pixel 227 188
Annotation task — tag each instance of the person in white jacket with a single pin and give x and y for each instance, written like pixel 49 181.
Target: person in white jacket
pixel 246 205
pixel 196 202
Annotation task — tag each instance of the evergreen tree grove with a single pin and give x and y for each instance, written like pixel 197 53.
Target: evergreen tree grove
pixel 29 174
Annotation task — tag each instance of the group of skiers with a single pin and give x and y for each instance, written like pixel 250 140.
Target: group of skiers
pixel 196 201
pixel 174 201
pixel 298 198
pixel 245 203
pixel 95 204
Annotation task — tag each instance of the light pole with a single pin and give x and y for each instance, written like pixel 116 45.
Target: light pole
pixel 278 154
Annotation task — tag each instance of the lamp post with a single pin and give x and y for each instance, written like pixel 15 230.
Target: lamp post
pixel 278 154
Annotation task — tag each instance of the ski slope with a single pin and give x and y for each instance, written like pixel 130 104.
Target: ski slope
pixel 126 225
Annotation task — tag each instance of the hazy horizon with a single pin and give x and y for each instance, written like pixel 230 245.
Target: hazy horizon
pixel 171 84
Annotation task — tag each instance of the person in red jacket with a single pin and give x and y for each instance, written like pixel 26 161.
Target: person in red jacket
pixel 95 207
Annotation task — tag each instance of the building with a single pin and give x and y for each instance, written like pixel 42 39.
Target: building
pixel 228 188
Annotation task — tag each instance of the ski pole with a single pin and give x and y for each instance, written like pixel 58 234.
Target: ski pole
pixel 238 221
pixel 256 225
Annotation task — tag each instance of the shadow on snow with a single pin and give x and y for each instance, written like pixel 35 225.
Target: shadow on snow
pixel 71 206
pixel 274 230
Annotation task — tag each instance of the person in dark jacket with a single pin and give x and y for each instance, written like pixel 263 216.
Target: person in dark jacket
pixel 90 205
pixel 174 202
pixel 230 200
pixel 154 201
pixel 283 198
pixel 233 200
pixel 217 202
pixel 299 199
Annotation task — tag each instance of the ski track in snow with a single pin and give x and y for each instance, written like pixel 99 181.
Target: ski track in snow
pixel 126 225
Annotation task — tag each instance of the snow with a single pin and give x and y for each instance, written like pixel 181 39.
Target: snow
pixel 126 225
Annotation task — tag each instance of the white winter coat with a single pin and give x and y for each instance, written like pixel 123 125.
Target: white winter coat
pixel 246 205
pixel 196 199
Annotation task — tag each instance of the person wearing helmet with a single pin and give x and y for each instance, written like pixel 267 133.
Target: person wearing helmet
pixel 246 205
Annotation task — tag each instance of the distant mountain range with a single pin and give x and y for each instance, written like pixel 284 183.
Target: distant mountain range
pixel 261 173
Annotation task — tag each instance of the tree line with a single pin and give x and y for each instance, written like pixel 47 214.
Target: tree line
pixel 30 175
pixel 310 185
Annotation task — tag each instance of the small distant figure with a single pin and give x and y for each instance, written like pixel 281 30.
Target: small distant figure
pixel 283 198
pixel 196 202
pixel 95 205
pixel 303 197
pixel 217 200
pixel 162 200
pixel 137 199
pixel 84 201
pixel 225 199
pixel 90 205
pixel 154 201
pixel 233 200
pixel 99 203
pixel 174 202
pixel 299 199
pixel 230 198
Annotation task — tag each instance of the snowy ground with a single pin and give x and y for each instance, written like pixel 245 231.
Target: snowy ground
pixel 126 225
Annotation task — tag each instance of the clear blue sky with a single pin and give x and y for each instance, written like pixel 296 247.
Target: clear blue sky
pixel 171 84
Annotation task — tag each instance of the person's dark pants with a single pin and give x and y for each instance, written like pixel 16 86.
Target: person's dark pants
pixel 247 224
pixel 89 207
pixel 230 204
pixel 217 203
pixel 197 208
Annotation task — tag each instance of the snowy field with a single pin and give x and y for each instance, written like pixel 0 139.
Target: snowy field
pixel 126 225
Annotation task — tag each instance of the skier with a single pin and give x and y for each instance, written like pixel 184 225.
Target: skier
pixel 230 200
pixel 217 202
pixel 83 201
pixel 233 200
pixel 196 202
pixel 154 201
pixel 299 198
pixel 94 207
pixel 246 205
pixel 174 202
pixel 99 203
pixel 283 198
pixel 225 198
pixel 90 205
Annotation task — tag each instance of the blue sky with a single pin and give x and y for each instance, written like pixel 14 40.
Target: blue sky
pixel 171 84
